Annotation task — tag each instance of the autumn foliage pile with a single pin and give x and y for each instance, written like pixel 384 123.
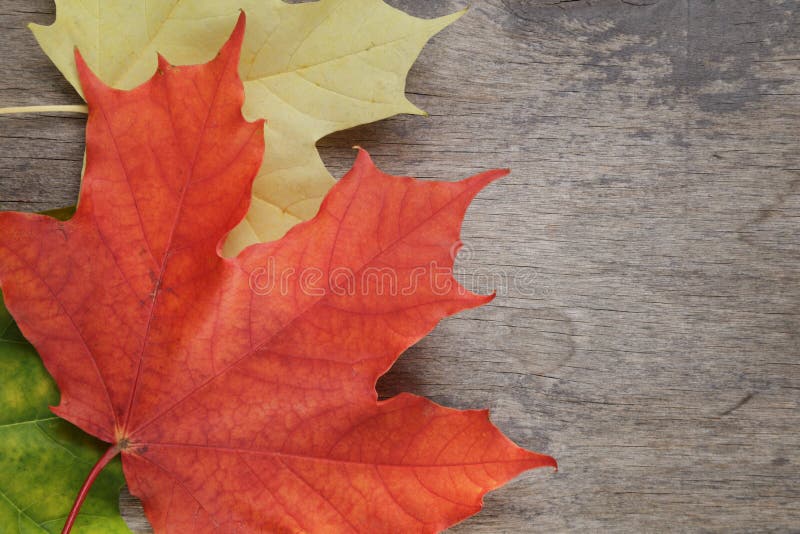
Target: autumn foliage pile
pixel 234 409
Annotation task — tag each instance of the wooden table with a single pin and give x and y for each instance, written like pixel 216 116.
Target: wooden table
pixel 646 247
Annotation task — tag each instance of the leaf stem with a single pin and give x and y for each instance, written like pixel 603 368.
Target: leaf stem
pixel 77 108
pixel 101 463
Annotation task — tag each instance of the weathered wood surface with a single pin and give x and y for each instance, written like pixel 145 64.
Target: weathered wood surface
pixel 649 336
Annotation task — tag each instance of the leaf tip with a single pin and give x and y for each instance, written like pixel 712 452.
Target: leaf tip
pixel 237 35
pixel 39 31
pixel 80 63
pixel 410 108
pixel 241 23
pixel 485 178
pixel 86 77
pixel 447 20
pixel 535 460
pixel 232 49
pixel 414 110
pixel 542 460
pixel 163 64
pixel 552 463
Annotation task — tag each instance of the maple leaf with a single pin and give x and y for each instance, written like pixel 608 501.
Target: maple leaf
pixel 238 404
pixel 36 446
pixel 312 69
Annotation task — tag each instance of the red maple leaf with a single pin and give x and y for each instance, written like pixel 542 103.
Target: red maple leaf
pixel 241 392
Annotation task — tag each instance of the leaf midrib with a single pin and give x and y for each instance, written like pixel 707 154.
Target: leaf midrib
pixel 168 248
pixel 262 452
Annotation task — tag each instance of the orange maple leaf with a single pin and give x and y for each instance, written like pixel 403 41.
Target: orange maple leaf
pixel 241 392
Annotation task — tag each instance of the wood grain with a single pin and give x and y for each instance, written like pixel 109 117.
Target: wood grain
pixel 646 247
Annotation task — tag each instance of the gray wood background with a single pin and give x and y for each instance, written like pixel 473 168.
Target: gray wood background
pixel 645 248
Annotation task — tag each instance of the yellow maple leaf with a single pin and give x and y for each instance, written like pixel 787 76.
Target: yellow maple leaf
pixel 310 69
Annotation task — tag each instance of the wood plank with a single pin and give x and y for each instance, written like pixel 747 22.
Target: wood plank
pixel 648 239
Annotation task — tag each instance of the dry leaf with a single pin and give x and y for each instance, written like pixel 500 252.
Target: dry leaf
pixel 311 69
